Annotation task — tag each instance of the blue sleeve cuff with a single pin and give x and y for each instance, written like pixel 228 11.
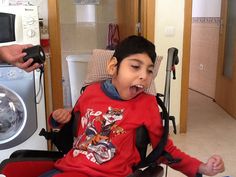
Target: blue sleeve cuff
pixel 54 123
pixel 198 175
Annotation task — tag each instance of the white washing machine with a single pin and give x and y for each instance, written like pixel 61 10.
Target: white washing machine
pixel 21 118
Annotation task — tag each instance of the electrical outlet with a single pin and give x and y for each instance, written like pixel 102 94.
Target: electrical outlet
pixel 201 67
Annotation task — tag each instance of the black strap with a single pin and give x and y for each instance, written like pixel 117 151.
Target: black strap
pixel 170 158
pixel 157 151
pixel 62 139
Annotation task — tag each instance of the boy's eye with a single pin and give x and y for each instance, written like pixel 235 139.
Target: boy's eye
pixel 135 66
pixel 150 71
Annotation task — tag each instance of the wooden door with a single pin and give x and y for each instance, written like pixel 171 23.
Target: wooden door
pixel 136 17
pixel 127 17
pixel 226 71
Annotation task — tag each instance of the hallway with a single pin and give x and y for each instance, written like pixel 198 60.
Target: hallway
pixel 210 131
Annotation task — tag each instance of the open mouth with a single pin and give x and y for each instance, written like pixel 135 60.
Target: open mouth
pixel 136 89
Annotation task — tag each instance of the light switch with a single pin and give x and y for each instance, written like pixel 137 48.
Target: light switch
pixel 169 31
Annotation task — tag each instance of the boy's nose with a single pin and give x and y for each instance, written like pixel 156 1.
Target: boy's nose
pixel 143 75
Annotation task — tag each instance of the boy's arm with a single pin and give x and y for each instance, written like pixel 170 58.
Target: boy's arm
pixel 188 165
pixel 191 166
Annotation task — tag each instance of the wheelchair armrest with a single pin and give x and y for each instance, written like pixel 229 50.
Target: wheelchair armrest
pixel 21 163
pixel 36 154
pixel 30 167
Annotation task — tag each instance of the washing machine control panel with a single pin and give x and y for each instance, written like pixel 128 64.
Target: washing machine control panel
pixel 13 73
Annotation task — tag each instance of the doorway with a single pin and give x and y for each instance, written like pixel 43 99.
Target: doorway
pixel 55 84
pixel 212 58
pixel 204 47
pixel 186 64
pixel 84 27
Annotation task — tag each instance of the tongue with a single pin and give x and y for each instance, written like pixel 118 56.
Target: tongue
pixel 135 90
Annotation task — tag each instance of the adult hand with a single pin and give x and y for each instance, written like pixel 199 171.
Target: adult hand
pixel 13 54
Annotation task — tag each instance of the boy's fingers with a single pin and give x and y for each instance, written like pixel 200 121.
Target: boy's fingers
pixel 219 167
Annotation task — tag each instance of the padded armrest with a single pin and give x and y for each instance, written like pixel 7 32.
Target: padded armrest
pixel 28 167
pixel 21 163
pixel 36 154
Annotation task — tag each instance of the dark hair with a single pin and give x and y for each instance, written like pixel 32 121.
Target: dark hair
pixel 134 45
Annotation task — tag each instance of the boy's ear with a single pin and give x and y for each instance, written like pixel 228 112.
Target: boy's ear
pixel 112 66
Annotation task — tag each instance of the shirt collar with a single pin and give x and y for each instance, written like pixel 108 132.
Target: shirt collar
pixel 110 90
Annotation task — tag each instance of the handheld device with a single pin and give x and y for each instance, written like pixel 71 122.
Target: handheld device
pixel 35 52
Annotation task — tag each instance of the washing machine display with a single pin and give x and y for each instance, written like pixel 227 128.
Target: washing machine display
pixel 18 116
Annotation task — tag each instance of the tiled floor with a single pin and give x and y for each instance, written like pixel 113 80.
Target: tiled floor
pixel 210 131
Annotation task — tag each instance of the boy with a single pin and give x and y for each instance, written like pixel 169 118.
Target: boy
pixel 111 110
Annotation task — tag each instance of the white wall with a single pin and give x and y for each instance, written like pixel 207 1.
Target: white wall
pixel 169 33
pixel 203 8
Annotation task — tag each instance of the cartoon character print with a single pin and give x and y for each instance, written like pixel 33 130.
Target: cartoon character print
pixel 96 143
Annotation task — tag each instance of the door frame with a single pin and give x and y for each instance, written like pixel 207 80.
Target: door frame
pixel 55 68
pixel 185 65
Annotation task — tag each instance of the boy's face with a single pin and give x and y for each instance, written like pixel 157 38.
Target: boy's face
pixel 134 75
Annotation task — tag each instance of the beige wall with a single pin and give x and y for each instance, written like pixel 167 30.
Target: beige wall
pixel 170 15
pixel 204 54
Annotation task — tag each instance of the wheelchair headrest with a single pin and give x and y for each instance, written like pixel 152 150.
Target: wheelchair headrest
pixel 97 68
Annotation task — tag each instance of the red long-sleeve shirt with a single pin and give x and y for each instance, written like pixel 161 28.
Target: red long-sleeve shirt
pixel 106 136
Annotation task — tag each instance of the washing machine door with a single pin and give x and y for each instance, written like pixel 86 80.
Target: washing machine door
pixel 13 114
pixel 18 113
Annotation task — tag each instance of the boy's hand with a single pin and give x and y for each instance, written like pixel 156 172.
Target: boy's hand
pixel 214 165
pixel 62 116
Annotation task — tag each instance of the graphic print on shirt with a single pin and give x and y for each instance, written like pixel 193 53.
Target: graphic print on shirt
pixel 95 143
